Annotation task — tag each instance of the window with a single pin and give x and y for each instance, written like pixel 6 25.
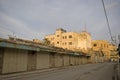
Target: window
pixel 57 42
pixel 65 37
pixel 53 43
pixel 62 43
pixel 57 35
pixel 70 36
pixel 70 43
pixel 95 45
pixel 104 45
pixel 107 46
pixel 101 45
pixel 65 43
pixel 52 38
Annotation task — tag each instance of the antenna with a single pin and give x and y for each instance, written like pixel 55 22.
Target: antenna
pixel 14 35
pixel 85 27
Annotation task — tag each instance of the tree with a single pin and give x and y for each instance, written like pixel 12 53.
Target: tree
pixel 46 41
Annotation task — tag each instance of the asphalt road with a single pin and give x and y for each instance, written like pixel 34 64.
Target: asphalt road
pixel 101 71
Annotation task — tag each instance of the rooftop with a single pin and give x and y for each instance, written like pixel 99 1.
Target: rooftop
pixel 32 46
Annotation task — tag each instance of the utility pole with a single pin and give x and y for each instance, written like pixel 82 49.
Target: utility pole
pixel 119 39
pixel 118 57
pixel 119 45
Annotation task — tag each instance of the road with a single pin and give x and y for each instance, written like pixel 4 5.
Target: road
pixel 99 71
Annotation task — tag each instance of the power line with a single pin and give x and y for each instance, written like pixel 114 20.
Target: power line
pixel 119 38
pixel 107 21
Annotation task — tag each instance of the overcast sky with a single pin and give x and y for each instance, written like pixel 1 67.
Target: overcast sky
pixel 36 18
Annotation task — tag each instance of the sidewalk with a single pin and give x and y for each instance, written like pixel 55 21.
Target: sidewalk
pixel 117 72
pixel 34 72
pixel 26 73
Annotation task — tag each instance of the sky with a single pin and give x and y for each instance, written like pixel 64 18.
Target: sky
pixel 31 19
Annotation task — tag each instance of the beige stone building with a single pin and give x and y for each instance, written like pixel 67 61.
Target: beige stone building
pixel 103 46
pixel 70 40
pixel 36 41
pixel 24 55
pixel 113 49
pixel 113 52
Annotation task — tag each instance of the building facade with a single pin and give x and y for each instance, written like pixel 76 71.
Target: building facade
pixel 102 46
pixel 36 41
pixel 113 52
pixel 70 40
pixel 19 56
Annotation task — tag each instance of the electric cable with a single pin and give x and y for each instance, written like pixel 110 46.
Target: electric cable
pixel 107 21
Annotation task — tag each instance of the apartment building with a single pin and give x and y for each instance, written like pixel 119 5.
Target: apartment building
pixel 70 40
pixel 102 45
